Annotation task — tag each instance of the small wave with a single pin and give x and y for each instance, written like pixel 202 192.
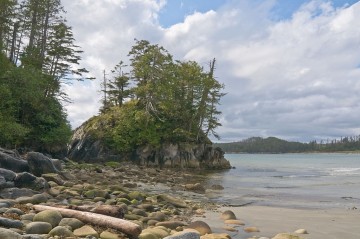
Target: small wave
pixel 344 171
pixel 297 176
pixel 261 170
pixel 280 187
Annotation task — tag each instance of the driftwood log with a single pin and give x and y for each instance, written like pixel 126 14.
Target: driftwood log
pixel 122 225
pixel 108 210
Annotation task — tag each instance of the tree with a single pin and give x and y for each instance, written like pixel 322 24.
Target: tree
pixel 149 70
pixel 6 21
pixel 118 87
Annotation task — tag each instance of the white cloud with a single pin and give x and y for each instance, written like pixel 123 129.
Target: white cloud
pixel 295 78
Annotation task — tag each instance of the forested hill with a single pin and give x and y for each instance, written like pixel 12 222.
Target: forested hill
pixel 38 55
pixel 275 145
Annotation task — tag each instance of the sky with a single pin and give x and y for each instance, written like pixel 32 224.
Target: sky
pixel 291 68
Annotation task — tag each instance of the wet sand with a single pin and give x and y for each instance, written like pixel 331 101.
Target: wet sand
pixel 320 223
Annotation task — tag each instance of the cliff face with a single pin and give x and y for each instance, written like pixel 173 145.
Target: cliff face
pixel 86 147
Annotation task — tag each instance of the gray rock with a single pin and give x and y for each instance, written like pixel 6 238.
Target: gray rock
pixel 8 161
pixel 15 211
pixel 72 222
pixel 171 224
pixel 8 234
pixel 40 164
pixel 4 205
pixel 7 174
pixel 12 193
pixel 177 202
pixel 184 235
pixel 53 177
pixel 286 236
pixel 5 184
pixel 8 202
pixel 85 231
pixel 61 231
pixel 50 216
pixel 197 187
pixel 217 187
pixel 28 180
pixel 57 163
pixel 35 199
pixel 38 228
pixel 9 223
pixel 34 236
pixel 28 217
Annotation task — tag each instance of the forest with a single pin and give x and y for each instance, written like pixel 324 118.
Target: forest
pixel 37 55
pixel 153 99
pixel 276 145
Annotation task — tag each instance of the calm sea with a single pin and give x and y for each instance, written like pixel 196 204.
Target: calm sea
pixel 290 180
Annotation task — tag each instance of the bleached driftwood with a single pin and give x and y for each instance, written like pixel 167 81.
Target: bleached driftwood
pixel 122 225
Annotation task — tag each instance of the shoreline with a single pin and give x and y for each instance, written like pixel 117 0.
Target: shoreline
pixel 310 152
pixel 319 223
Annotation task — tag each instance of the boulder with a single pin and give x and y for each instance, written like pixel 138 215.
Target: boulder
pixel 286 236
pixel 50 216
pixel 13 193
pixel 85 231
pixel 184 235
pixel 234 222
pixel 38 228
pixel 228 215
pixel 216 236
pixel 197 187
pixel 301 231
pixel 71 222
pixel 40 164
pixel 8 161
pixel 28 180
pixel 35 199
pixel 177 202
pixel 251 229
pixel 109 235
pixel 53 177
pixel 171 224
pixel 61 231
pixel 159 232
pixel 9 223
pixel 7 174
pixel 202 227
pixel 9 234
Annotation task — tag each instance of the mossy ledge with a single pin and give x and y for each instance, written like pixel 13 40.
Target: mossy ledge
pixel 91 143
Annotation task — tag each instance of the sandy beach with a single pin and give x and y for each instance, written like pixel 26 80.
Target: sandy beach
pixel 320 223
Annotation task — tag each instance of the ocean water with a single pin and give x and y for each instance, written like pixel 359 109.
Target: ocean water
pixel 290 180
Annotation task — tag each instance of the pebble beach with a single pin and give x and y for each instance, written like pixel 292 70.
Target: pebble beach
pixel 158 204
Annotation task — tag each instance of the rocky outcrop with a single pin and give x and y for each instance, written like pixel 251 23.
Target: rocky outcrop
pixel 85 147
pixel 182 156
pixel 19 177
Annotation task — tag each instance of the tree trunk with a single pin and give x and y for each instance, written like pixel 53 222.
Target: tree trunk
pixel 122 225
pixel 13 42
pixel 33 24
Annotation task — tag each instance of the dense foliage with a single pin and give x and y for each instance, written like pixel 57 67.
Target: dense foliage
pixel 159 100
pixel 37 54
pixel 275 145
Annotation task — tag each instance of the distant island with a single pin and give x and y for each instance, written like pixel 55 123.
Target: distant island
pixel 276 145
